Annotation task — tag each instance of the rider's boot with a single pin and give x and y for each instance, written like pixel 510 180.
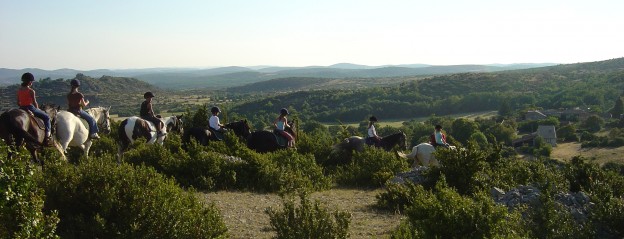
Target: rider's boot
pixel 94 136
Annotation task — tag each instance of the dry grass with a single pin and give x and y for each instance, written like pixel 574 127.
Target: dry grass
pixel 244 212
pixel 565 152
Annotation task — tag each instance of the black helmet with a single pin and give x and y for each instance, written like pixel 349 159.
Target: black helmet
pixel 372 118
pixel 148 94
pixel 75 82
pixel 284 111
pixel 438 126
pixel 215 110
pixel 26 77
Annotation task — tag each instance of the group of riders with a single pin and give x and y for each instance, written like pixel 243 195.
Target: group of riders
pixel 26 100
pixel 280 124
pixel 437 138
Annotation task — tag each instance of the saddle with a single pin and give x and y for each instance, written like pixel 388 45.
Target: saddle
pixel 218 135
pixel 280 139
pixel 34 119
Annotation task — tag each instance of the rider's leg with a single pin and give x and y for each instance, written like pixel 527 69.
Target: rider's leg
pixel 93 129
pixel 42 115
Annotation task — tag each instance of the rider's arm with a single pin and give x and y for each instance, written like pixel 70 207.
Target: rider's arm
pixel 84 102
pixel 34 99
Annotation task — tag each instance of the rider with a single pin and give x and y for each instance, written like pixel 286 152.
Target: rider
pixel 147 113
pixel 438 138
pixel 281 123
pixel 213 122
pixel 76 101
pixel 27 101
pixel 372 133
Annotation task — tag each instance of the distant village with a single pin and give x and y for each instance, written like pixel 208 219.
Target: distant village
pixel 549 132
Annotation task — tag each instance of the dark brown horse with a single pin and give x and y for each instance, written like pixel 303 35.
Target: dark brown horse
pixel 19 127
pixel 202 135
pixel 266 141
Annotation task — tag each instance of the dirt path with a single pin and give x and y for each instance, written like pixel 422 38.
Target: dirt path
pixel 244 215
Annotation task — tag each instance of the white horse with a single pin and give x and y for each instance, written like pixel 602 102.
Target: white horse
pixel 72 130
pixel 134 128
pixel 423 155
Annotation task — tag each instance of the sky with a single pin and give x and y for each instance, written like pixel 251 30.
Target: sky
pixel 129 34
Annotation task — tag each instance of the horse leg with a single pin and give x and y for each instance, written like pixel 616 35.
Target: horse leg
pixel 85 148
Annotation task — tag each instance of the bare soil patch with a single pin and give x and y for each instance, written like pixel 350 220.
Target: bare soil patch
pixel 244 212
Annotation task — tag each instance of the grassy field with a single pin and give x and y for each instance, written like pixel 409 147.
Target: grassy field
pixel 244 212
pixel 399 122
pixel 565 152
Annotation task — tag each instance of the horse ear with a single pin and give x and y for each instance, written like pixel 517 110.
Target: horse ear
pixel 58 108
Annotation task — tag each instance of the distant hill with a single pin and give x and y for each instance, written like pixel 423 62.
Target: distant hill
pixel 592 85
pixel 224 77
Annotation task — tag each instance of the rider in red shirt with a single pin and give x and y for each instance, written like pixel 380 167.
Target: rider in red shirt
pixel 26 100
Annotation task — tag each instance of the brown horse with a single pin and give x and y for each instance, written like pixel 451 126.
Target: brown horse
pixel 19 127
pixel 266 141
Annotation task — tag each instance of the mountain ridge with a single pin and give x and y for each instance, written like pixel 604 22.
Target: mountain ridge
pixel 223 77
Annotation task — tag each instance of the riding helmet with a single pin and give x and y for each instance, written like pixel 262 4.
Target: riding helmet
pixel 148 94
pixel 75 82
pixel 284 111
pixel 372 118
pixel 438 126
pixel 26 77
pixel 215 110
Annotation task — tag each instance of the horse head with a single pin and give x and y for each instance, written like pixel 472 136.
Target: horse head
pixel 51 110
pixel 174 123
pixel 240 128
pixel 102 118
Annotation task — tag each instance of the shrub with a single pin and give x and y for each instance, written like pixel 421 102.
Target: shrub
pixel 549 219
pixel 444 213
pixel 609 218
pixel 372 167
pixel 21 203
pixel 308 220
pixel 100 199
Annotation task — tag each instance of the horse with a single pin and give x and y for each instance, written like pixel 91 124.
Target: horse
pixel 343 151
pixel 19 127
pixel 135 127
pixel 204 135
pixel 387 143
pixel 264 141
pixel 423 155
pixel 71 130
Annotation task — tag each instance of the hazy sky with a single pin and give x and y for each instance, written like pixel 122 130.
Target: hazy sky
pixel 115 34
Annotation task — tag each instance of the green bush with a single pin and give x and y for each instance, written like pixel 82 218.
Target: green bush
pixel 308 220
pixel 100 199
pixel 21 202
pixel 549 219
pixel 372 167
pixel 609 218
pixel 444 213
pixel 398 197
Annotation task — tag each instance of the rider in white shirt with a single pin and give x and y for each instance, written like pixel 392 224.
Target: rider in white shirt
pixel 372 133
pixel 213 122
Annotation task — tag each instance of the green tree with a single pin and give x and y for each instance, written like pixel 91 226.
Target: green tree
pixel 479 138
pixel 568 133
pixel 618 109
pixel 462 129
pixel 593 123
pixel 505 109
